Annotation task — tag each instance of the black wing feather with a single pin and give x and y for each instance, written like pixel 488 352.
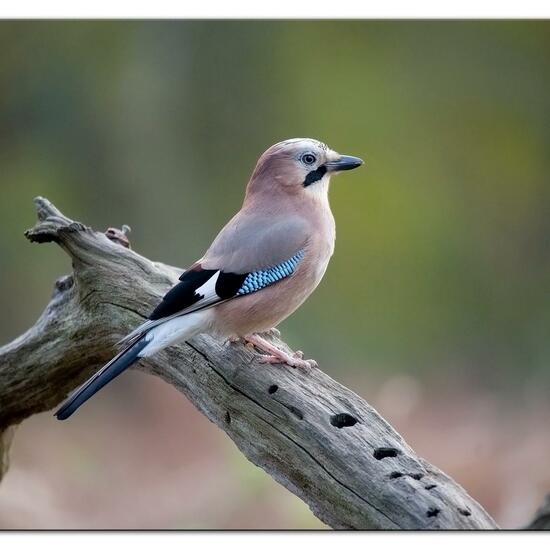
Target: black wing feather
pixel 183 294
pixel 228 284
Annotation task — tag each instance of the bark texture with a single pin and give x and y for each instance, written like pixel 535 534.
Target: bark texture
pixel 311 434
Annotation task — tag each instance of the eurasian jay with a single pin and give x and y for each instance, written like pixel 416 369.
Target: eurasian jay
pixel 260 268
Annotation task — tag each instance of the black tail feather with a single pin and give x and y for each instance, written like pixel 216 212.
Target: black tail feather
pixel 111 370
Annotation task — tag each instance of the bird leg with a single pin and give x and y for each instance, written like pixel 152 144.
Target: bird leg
pixel 278 356
pixel 271 332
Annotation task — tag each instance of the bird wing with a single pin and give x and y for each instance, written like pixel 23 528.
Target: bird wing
pixel 253 241
pixel 246 257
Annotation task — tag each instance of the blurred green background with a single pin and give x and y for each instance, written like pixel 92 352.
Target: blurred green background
pixel 435 306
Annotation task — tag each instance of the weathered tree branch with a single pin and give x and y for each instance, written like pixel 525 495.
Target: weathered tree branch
pixel 311 434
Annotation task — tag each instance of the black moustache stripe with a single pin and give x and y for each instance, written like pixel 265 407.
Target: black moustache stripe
pixel 315 175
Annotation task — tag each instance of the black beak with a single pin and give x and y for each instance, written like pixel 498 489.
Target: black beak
pixel 345 162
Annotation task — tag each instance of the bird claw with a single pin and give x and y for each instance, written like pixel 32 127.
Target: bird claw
pixel 311 363
pixel 275 355
pixel 292 361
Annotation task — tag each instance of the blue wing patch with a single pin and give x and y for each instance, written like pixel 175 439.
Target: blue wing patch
pixel 199 288
pixel 260 279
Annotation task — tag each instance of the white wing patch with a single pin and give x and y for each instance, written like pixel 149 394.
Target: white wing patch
pixel 210 298
pixel 208 290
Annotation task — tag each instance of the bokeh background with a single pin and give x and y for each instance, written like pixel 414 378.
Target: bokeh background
pixel 435 307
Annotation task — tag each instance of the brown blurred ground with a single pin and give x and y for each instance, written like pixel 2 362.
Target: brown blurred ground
pixel 144 458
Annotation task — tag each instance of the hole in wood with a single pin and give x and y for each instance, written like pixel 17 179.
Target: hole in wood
pixel 433 512
pixel 385 452
pixel 273 388
pixel 64 283
pixel 343 420
pixel 430 487
pixel 396 475
pixel 295 411
pixel 227 418
pixel 464 512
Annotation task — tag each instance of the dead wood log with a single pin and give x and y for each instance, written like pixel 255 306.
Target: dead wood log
pixel 311 434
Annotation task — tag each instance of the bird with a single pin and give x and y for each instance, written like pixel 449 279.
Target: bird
pixel 259 269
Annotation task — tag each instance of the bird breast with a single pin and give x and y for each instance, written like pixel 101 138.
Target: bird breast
pixel 262 310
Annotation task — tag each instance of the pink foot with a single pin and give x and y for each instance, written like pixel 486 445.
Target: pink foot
pixel 278 356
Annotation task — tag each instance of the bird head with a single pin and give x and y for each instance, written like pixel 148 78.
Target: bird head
pixel 299 166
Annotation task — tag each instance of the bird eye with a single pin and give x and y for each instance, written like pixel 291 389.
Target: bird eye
pixel 308 158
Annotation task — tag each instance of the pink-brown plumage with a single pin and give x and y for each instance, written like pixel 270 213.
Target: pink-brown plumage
pixel 285 217
pixel 260 311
